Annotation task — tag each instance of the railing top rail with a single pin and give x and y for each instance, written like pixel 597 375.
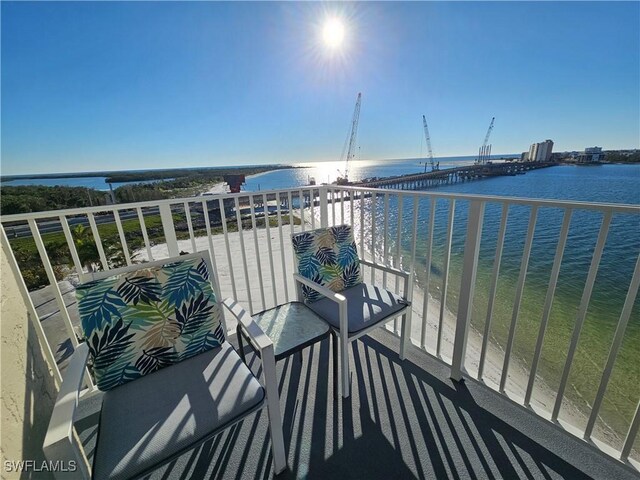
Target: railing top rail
pixel 148 203
pixel 540 202
pixel 615 207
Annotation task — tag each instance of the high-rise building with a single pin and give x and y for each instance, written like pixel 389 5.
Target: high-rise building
pixel 540 152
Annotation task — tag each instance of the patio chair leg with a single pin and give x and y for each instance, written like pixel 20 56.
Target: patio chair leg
pixel 241 345
pixel 405 339
pixel 344 352
pixel 277 439
pixel 273 412
pixel 334 349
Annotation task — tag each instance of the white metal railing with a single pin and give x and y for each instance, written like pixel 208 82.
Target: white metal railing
pixel 405 229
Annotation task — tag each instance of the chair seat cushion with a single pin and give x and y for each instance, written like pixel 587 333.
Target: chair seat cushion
pixel 366 306
pixel 145 422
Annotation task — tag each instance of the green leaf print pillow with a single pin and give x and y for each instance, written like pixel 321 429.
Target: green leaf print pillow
pixel 136 323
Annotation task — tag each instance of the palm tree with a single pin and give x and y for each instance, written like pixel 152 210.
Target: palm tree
pixel 86 247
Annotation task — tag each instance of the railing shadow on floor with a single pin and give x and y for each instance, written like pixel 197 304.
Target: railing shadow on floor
pixel 402 421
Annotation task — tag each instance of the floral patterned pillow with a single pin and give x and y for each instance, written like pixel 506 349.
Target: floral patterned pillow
pixel 139 322
pixel 327 256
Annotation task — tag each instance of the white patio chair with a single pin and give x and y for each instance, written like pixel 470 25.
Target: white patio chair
pixel 156 340
pixel 330 282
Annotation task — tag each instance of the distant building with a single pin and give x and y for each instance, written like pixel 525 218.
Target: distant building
pixel 540 152
pixel 591 155
pixel 235 182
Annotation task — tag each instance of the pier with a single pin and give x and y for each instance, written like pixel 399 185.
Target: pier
pixel 418 181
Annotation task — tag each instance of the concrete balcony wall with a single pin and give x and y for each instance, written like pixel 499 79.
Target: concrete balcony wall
pixel 28 387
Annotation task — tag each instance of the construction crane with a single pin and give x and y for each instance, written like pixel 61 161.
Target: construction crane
pixel 344 178
pixel 485 150
pixel 434 167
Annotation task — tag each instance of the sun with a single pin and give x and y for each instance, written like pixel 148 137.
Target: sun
pixel 333 33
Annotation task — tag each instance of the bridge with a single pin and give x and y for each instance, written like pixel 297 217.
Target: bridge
pixel 416 181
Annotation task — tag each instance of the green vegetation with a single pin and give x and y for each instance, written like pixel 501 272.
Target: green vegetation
pixel 179 173
pixel 36 198
pixel 618 157
pixel 60 257
pixel 184 183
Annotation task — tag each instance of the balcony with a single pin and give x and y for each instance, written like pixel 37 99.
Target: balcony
pixel 497 384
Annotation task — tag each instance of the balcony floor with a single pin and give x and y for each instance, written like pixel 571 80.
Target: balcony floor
pixel 403 420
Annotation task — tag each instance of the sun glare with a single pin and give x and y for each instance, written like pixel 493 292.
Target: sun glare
pixel 333 33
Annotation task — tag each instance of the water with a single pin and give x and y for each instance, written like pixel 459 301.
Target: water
pixel 97 183
pixel 606 184
pixel 328 172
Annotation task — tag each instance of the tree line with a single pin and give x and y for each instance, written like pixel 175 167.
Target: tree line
pixel 37 198
pixel 617 157
pixel 178 183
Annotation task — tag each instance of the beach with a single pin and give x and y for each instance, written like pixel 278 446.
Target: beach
pixel 216 189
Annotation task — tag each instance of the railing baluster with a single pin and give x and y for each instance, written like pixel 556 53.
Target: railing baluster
pixel 492 289
pixel 351 195
pixel 145 235
pixel 169 229
pixel 52 280
pixel 396 259
pixel 385 241
pixel 255 243
pixel 270 247
pixel 341 193
pixel 582 310
pixel 284 262
pixel 72 246
pixel 425 304
pixel 324 212
pixel 524 265
pixel 244 254
pixel 445 278
pixel 312 209
pixel 362 206
pixel 412 269
pixel 333 206
pixel 98 241
pixel 548 302
pixel 631 435
pixel 373 235
pixel 187 212
pixel 301 205
pixel 212 252
pixel 225 233
pixel 291 223
pixel 33 315
pixel 123 239
pixel 615 348
pixel 467 286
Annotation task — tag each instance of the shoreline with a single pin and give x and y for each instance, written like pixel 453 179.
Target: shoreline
pixel 222 188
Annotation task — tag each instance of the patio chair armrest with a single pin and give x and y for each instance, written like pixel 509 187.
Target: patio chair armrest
pixel 385 268
pixel 61 442
pixel 330 294
pixel 255 333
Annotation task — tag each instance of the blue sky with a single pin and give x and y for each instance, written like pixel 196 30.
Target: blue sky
pixel 108 86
